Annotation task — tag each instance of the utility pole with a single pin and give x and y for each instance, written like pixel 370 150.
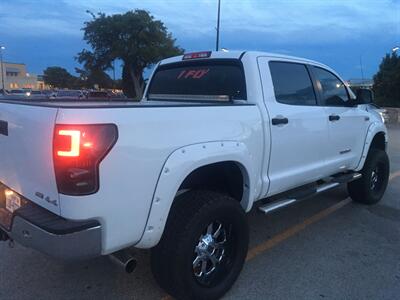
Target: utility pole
pixel 361 67
pixel 2 71
pixel 218 20
pixel 113 75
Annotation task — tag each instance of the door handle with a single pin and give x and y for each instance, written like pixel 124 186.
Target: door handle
pixel 280 121
pixel 333 118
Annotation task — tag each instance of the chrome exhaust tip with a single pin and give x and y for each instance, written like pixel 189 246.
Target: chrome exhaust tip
pixel 125 260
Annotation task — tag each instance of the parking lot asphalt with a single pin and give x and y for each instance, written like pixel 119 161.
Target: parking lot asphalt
pixel 323 248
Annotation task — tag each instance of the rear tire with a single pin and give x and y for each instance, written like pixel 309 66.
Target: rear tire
pixel 369 189
pixel 204 230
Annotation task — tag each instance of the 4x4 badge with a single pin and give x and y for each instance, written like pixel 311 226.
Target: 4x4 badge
pixel 54 202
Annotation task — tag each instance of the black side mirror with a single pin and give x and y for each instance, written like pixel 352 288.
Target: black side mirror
pixel 364 96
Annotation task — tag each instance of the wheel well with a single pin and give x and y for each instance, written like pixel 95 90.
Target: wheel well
pixel 379 142
pixel 226 177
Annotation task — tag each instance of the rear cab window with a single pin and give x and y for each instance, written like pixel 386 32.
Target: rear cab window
pixel 292 83
pixel 211 80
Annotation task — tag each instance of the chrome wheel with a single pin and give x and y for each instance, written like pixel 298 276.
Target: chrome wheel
pixel 377 177
pixel 210 252
pixel 374 178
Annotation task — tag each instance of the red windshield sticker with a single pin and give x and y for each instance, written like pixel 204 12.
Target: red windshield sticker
pixel 194 74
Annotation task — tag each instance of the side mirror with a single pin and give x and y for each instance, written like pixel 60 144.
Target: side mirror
pixel 364 96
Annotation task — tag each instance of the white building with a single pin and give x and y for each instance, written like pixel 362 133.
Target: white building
pixel 16 77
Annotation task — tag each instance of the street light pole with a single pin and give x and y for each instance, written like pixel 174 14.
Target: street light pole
pixel 218 21
pixel 361 67
pixel 113 75
pixel 2 71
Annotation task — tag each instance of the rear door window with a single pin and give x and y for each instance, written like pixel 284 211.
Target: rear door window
pixel 210 80
pixel 292 83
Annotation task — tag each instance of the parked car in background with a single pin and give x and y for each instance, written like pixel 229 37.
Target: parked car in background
pixel 38 95
pixel 98 95
pixel 118 96
pixel 19 92
pixel 51 94
pixel 69 95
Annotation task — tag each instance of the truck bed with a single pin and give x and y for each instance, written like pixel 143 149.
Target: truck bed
pixel 148 134
pixel 113 103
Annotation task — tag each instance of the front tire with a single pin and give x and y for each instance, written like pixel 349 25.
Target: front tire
pixel 203 248
pixel 369 189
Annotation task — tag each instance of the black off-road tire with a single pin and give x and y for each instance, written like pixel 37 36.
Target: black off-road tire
pixel 172 260
pixel 369 189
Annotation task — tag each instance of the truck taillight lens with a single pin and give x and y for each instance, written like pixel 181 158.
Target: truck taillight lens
pixel 77 153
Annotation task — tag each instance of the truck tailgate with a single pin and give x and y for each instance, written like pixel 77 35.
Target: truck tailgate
pixel 26 155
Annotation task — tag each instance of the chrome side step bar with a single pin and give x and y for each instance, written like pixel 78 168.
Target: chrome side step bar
pixel 276 205
pixel 326 187
pixel 292 198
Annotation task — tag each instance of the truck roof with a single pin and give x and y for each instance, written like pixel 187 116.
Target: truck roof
pixel 235 54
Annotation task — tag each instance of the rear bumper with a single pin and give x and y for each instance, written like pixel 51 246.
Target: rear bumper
pixel 37 228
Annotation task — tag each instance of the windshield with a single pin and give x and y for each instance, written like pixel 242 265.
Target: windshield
pixel 209 80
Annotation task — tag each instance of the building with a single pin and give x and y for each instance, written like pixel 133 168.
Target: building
pixel 40 83
pixel 16 77
pixel 360 83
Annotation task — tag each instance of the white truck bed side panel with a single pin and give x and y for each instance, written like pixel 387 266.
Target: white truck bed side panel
pixel 147 136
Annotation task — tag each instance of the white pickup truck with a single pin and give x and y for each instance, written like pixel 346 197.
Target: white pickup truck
pixel 215 135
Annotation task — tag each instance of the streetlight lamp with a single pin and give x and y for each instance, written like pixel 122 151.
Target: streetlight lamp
pixel 394 49
pixel 2 72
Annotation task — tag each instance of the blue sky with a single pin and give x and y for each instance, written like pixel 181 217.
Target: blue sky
pixel 44 33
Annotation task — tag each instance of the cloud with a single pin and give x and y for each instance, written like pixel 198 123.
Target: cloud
pixel 40 32
pixel 39 18
pixel 315 21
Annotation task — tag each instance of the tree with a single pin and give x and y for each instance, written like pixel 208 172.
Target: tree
pixel 58 77
pixel 93 73
pixel 95 77
pixel 387 81
pixel 135 37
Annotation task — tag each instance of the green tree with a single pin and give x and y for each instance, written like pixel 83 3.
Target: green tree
pixel 93 73
pixel 95 77
pixel 58 77
pixel 136 38
pixel 387 81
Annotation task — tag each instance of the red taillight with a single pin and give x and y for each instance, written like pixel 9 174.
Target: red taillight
pixel 74 148
pixel 78 151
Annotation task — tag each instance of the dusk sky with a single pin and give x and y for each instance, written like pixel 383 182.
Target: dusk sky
pixel 44 33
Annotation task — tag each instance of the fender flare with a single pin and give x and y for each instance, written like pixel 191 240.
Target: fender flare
pixel 373 130
pixel 178 166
